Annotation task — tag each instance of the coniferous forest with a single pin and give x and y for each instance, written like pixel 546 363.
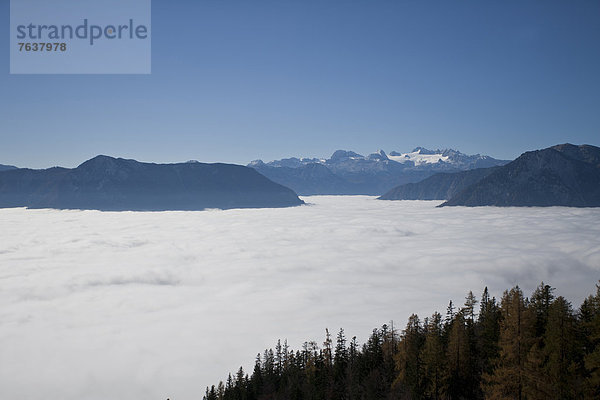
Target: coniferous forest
pixel 519 347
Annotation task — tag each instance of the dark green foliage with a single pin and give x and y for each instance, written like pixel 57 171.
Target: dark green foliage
pixel 409 362
pixel 487 333
pixel 522 348
pixel 433 356
pixel 589 316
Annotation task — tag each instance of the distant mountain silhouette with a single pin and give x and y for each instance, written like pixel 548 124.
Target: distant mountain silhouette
pixel 310 178
pixel 563 175
pixel 442 186
pixel 347 172
pixel 116 184
pixel 6 167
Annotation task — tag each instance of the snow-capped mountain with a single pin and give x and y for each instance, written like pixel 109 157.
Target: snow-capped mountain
pixel 347 172
pixel 419 157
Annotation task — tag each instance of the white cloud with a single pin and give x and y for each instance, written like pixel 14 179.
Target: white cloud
pixel 150 305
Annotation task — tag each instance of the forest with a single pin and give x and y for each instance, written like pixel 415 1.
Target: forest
pixel 519 347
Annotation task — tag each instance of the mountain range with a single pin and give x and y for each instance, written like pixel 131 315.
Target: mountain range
pixel 115 184
pixel 562 175
pixel 347 172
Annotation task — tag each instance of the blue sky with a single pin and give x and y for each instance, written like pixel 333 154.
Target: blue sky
pixel 234 81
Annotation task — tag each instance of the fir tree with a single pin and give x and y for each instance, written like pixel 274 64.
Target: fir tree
pixel 434 360
pixel 541 299
pixel 560 349
pixel 487 332
pixel 590 311
pixel 469 308
pixel 408 359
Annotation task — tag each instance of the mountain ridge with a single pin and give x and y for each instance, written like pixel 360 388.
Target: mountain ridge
pixel 441 186
pixel 561 175
pixel 117 184
pixel 374 174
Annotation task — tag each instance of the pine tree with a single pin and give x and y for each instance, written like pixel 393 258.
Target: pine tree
pixel 354 370
pixel 371 374
pixel 256 380
pixel 590 311
pixel 515 341
pixel 340 366
pixel 240 386
pixel 408 359
pixel 560 349
pixel 487 332
pixel 537 382
pixel 388 350
pixel 278 358
pixel 434 360
pixel 210 393
pixel 327 349
pixel 541 299
pixel 268 371
pixel 469 308
pixel 449 314
pixel 221 391
pixel 286 350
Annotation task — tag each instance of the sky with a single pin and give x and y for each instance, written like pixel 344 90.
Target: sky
pixel 238 80
pixel 159 305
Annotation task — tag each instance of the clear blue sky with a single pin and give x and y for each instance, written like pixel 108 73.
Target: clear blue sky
pixel 233 81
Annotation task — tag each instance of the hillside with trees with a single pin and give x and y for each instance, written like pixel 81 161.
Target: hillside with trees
pixel 519 347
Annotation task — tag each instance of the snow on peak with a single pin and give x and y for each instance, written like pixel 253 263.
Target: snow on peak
pixel 419 156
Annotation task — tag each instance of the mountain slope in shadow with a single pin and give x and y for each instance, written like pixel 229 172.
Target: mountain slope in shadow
pixel 441 186
pixel 116 184
pixel 562 175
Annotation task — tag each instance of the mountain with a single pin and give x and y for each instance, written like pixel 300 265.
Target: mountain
pixel 311 178
pixel 347 172
pixel 106 183
pixel 441 186
pixel 6 167
pixel 563 175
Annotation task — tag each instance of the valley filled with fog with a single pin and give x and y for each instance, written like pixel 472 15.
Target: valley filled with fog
pixel 98 305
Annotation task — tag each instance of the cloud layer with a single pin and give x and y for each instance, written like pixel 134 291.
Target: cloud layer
pixel 154 305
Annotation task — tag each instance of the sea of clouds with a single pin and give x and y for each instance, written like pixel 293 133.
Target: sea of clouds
pixel 131 305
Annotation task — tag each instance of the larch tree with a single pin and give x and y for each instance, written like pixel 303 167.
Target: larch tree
pixel 408 360
pixel 461 374
pixel 507 379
